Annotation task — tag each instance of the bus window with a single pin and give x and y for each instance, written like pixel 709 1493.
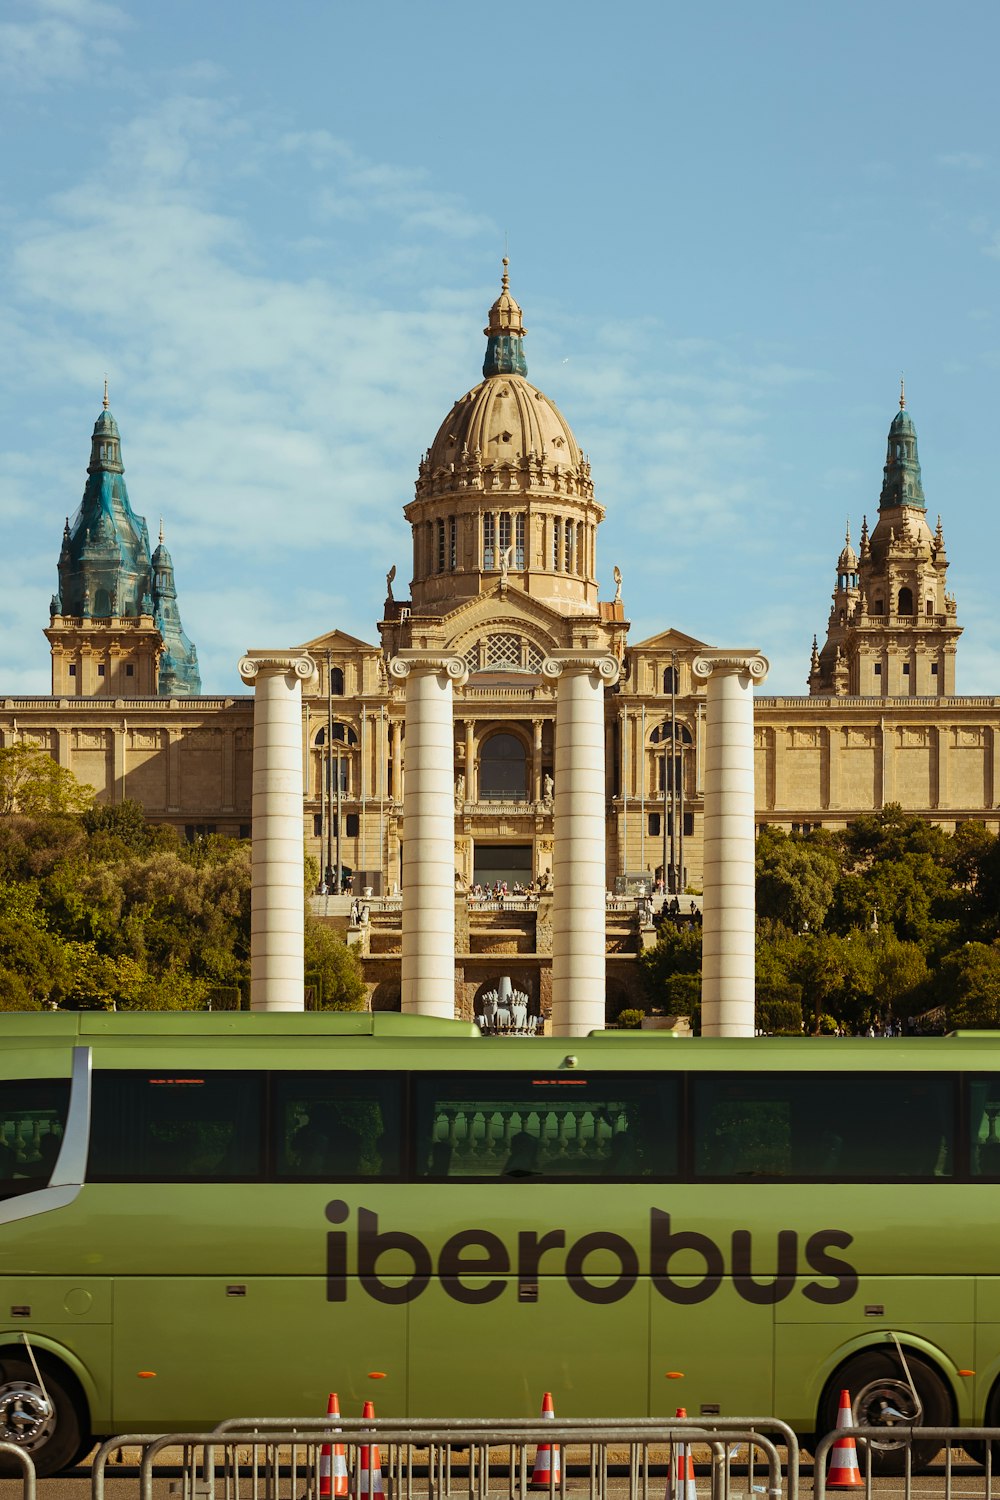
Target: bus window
pixel 32 1120
pixel 984 1112
pixel 513 1126
pixel 176 1126
pixel 330 1126
pixel 875 1127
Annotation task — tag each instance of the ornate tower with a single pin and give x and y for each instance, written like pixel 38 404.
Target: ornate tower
pixel 893 628
pixel 179 663
pixel 114 629
pixel 504 491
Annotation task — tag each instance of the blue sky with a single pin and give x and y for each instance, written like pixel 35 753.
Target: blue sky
pixel 278 227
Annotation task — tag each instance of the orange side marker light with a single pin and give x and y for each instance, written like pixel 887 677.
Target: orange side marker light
pixel 146 1374
pixel 674 1375
pixel 967 1372
pixel 376 1375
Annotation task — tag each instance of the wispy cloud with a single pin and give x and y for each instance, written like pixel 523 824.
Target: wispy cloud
pixel 961 161
pixel 56 40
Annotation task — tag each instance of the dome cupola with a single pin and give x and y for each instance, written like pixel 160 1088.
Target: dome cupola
pixel 504 489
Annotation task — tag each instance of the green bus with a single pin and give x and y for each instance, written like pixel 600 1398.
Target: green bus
pixel 205 1216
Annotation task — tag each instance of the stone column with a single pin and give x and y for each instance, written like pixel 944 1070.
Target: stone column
pixel 276 894
pixel 727 965
pixel 428 874
pixel 120 751
pixel 536 760
pixel 471 791
pixel 396 755
pixel 579 856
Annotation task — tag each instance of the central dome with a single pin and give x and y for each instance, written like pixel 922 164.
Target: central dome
pixel 504 492
pixel 507 419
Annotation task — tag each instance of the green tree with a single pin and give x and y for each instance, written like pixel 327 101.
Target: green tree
pixel 898 870
pixel 967 984
pixel 336 966
pixel 31 783
pixel 796 878
pixel 677 951
pixel 14 993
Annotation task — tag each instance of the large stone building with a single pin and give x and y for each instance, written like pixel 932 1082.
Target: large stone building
pixel 504 525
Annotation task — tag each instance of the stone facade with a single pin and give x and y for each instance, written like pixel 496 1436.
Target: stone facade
pixel 504 577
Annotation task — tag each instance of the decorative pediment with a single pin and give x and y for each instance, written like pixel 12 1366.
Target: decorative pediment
pixel 669 640
pixel 340 641
pixel 511 610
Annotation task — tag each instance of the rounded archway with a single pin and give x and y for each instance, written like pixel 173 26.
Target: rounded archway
pixel 387 995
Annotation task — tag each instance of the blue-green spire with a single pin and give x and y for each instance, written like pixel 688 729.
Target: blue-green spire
pixel 105 568
pixel 179 663
pixel 901 483
pixel 104 562
pixel 505 334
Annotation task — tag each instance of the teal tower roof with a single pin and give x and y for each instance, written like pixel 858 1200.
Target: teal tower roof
pixel 105 568
pixel 901 482
pixel 505 334
pixel 179 662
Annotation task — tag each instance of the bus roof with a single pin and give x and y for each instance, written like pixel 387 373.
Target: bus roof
pixel 386 1039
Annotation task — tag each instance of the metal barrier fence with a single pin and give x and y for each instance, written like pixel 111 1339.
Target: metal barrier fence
pixel 262 1459
pixel 924 1444
pixel 22 1459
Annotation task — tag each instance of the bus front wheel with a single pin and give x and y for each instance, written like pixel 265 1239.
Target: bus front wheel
pixel 881 1396
pixel 46 1423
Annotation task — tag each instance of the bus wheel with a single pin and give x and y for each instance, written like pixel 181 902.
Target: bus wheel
pixel 977 1451
pixel 49 1430
pixel 881 1397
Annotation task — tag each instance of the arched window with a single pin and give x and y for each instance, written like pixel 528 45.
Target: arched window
pixel 503 769
pixel 581 560
pixel 905 605
pixel 668 769
pixel 556 544
pixel 341 733
pixel 336 682
pixel 670 682
pixel 341 739
pixel 930 606
pixel 102 604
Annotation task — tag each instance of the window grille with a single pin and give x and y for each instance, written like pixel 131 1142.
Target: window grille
pixel 519 541
pixel 504 653
pixel 489 543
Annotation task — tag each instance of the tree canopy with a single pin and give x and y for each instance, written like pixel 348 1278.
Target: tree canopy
pixel 100 909
pixel 891 923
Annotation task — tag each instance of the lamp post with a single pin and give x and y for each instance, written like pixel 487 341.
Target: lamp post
pixel 328 752
pixel 667 835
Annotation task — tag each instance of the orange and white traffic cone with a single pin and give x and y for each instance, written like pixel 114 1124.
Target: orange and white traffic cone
pixel 680 1473
pixel 547 1471
pixel 845 1473
pixel 368 1475
pixel 332 1461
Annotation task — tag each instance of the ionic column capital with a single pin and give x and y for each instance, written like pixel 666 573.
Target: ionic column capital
pixel 298 663
pixel 409 661
pixel 727 663
pixel 570 663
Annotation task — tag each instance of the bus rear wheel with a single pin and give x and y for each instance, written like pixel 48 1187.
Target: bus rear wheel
pixel 45 1423
pixel 977 1451
pixel 881 1396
